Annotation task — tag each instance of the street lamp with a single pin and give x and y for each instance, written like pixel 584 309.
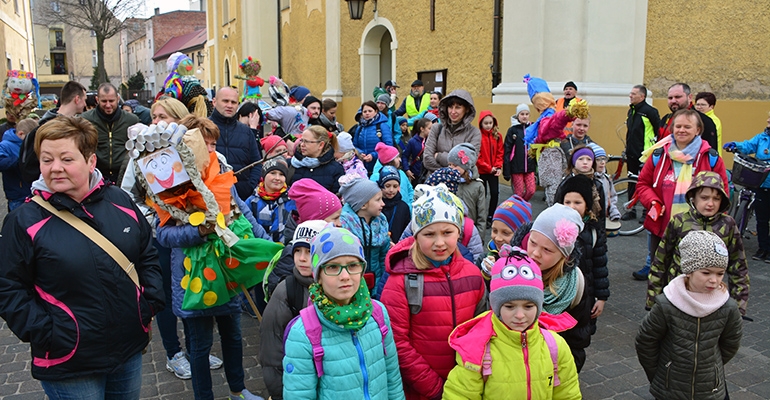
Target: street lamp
pixel 356 8
pixel 47 61
pixel 200 58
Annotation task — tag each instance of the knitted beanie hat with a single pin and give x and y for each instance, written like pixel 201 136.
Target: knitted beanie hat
pixel 580 152
pixel 570 84
pixel 463 155
pixel 310 99
pixel 385 153
pixel 515 277
pixel 273 164
pixel 521 107
pixel 305 233
pixel 383 98
pixel 513 212
pixel 579 184
pixel 332 242
pixel 430 117
pixel 388 173
pixel 271 143
pixel 447 176
pixel 345 142
pixel 702 249
pixel 598 150
pixel 437 204
pixel 561 225
pixel 313 201
pixel 299 93
pixel 357 191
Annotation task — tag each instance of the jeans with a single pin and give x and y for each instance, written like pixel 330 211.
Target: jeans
pixel 762 208
pixel 14 204
pixel 200 331
pixel 166 318
pixel 124 383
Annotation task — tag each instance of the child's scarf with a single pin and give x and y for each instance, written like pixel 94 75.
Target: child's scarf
pixel 352 316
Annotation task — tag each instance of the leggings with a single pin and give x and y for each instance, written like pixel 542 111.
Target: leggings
pixel 493 183
pixel 523 185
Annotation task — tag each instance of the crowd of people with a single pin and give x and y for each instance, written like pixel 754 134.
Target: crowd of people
pixel 382 286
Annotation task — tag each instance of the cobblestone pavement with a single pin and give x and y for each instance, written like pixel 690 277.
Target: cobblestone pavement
pixel 611 371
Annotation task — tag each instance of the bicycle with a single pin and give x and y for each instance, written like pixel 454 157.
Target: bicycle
pixel 636 225
pixel 749 173
pixel 615 172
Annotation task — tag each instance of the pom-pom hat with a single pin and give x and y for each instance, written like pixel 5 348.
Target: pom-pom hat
pixel 561 225
pixel 332 242
pixel 515 277
pixel 385 153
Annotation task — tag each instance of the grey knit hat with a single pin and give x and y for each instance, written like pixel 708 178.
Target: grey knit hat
pixel 383 98
pixel 702 249
pixel 463 155
pixel 561 225
pixel 356 190
pixel 333 242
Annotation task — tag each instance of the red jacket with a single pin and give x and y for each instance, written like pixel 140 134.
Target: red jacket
pixel 453 294
pixel 491 152
pixel 658 183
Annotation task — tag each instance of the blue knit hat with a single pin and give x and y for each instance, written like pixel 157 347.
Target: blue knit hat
pixel 513 212
pixel 299 93
pixel 535 85
pixel 333 242
pixel 388 173
pixel 598 150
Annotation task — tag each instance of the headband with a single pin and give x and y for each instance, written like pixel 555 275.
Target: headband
pixel 583 151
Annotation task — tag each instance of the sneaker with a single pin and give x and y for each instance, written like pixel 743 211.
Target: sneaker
pixel 629 216
pixel 214 362
pixel 641 275
pixel 760 255
pixel 179 366
pixel 245 394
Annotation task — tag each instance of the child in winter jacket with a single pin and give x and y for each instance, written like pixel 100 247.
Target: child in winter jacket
pixel 504 353
pixel 610 195
pixel 462 158
pixel 708 211
pixel 401 137
pixel 518 166
pixel 694 328
pixel 270 202
pixel 389 156
pixel 10 147
pixel 289 297
pixel 508 217
pixel 340 347
pixel 490 162
pixel 582 161
pixel 576 193
pixel 453 289
pixel 347 156
pixel 362 215
pixel 411 157
pixel 396 211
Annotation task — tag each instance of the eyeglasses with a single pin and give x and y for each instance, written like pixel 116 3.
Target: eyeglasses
pixel 309 141
pixel 353 268
pixel 601 159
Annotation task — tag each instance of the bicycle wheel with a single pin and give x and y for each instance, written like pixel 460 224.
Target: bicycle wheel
pixel 614 167
pixel 634 226
pixel 741 216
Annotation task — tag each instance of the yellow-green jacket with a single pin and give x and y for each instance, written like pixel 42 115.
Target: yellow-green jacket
pixel 521 363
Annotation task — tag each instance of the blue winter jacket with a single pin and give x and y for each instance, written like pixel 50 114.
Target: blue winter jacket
pixel 356 366
pixel 365 137
pixel 178 237
pixel 272 215
pixel 373 236
pixel 10 148
pixel 411 157
pixel 238 144
pixel 759 145
pixel 407 191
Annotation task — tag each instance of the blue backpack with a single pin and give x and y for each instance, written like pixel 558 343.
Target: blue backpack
pixel 657 153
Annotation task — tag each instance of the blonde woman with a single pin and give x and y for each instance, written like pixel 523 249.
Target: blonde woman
pixel 315 160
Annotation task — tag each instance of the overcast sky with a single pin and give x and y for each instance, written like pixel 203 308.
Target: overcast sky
pixel 165 6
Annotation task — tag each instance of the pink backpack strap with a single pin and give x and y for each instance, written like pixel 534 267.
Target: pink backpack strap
pixel 313 330
pixel 486 364
pixel 467 231
pixel 379 317
pixel 554 350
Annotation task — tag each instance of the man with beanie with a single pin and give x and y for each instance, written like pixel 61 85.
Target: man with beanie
pixel 417 101
pixel 313 106
pixel 570 94
pixel 111 124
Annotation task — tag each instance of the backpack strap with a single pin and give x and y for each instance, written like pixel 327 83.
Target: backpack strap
pixel 580 289
pixel 414 285
pixel 713 158
pixel 656 154
pixel 294 295
pixel 467 231
pixel 553 348
pixel 313 330
pixel 486 364
pixel 379 317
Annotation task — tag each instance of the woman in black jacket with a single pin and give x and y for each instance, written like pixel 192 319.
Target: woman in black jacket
pixel 315 159
pixel 518 166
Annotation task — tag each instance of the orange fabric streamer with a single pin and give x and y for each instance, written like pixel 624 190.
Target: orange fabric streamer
pixel 187 195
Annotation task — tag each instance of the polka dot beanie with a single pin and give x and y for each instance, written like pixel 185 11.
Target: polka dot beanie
pixel 330 243
pixel 515 277
pixel 513 212
pixel 313 200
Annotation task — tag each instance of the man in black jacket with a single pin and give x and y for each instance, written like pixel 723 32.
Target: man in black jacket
pixel 643 122
pixel 236 141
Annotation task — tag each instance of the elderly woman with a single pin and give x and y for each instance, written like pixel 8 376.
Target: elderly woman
pixel 315 160
pixel 85 317
pixel 456 112
pixel 669 167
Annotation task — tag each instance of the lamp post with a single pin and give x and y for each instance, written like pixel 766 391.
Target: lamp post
pixel 200 56
pixel 356 8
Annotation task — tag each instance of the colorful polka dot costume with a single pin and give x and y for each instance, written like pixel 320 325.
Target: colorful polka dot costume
pixel 333 242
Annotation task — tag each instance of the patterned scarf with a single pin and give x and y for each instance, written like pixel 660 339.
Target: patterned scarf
pixel 352 316
pixel 265 195
pixel 683 169
pixel 566 290
pixel 307 162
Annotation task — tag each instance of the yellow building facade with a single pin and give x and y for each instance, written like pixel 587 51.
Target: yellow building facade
pixel 16 44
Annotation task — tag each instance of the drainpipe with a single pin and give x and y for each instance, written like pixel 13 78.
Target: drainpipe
pixel 278 3
pixel 496 44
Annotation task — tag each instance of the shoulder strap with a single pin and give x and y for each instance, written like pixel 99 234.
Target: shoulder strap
pixel 379 317
pixel 313 330
pixel 414 285
pixel 94 235
pixel 467 231
pixel 486 364
pixel 713 157
pixel 656 154
pixel 553 348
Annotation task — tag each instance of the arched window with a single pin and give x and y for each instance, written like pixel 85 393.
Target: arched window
pixel 227 72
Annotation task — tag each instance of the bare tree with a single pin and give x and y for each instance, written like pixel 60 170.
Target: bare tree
pixel 106 18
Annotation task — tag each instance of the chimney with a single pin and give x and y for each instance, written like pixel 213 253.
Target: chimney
pixel 157 10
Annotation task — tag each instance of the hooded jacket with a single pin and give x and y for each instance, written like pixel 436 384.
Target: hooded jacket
pixel 365 136
pixel 759 145
pixel 666 264
pixel 453 293
pixel 443 137
pixel 10 147
pixel 373 236
pixel 521 363
pixel 491 154
pixel 657 183
pixel 239 146
pixel 515 157
pixel 684 356
pixel 79 310
pixel 113 135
